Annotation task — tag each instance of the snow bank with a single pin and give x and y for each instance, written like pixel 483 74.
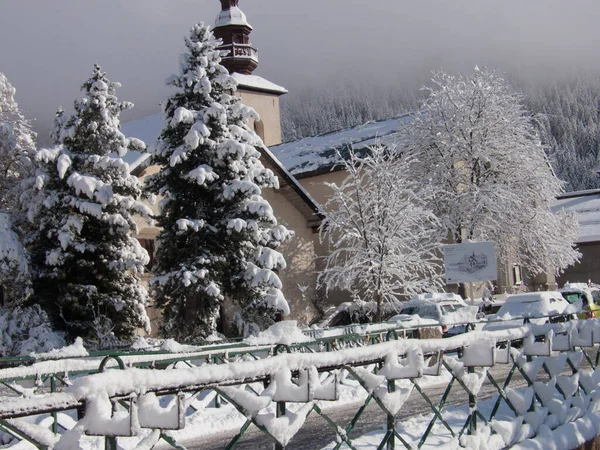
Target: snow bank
pixel 286 332
pixel 564 437
pixel 74 350
pixel 172 346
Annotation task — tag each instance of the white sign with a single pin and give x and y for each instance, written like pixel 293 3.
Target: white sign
pixel 471 261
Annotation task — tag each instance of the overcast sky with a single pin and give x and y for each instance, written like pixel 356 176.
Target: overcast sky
pixel 48 48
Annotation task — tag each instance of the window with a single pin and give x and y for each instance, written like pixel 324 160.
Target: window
pixel 429 312
pixel 517 275
pixel 149 246
pixel 596 297
pixel 259 128
pixel 572 297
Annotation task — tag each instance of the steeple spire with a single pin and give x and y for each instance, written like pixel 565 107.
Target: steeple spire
pixel 228 4
pixel 234 30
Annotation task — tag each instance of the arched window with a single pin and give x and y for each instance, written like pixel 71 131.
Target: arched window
pixel 259 128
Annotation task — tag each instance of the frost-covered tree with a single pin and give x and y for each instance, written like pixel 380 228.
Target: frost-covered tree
pixel 567 117
pixel 15 279
pixel 384 241
pixel 87 261
pixel 17 141
pixel 219 234
pixel 476 141
pixel 339 104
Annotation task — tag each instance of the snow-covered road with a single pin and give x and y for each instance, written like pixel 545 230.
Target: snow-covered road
pixel 316 433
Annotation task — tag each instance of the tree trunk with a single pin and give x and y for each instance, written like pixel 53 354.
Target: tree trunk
pixel 379 316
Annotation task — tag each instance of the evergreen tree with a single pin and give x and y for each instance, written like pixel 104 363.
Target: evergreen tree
pixel 17 142
pixel 15 279
pixel 87 260
pixel 16 150
pixel 219 234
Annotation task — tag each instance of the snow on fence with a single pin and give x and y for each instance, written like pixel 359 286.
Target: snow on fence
pixel 556 363
pixel 55 370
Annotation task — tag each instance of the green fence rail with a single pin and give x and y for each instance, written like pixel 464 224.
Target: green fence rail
pixel 556 365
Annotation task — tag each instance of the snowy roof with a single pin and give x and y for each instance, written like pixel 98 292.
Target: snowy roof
pixel 316 155
pixel 254 82
pixel 147 129
pixel 586 207
pixel 438 297
pixel 231 16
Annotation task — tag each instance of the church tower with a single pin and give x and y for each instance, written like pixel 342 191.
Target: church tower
pixel 234 30
pixel 232 27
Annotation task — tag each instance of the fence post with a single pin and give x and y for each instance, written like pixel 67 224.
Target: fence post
pixel 391 421
pixel 472 408
pixel 110 443
pixel 54 414
pixel 279 412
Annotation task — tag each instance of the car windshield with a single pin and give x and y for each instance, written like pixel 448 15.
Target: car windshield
pixel 425 310
pixel 450 308
pixel 572 297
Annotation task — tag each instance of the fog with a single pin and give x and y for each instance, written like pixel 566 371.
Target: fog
pixel 48 48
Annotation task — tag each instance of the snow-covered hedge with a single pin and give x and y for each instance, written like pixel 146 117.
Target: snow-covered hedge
pixel 25 330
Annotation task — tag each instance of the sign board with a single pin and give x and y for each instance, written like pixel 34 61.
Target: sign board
pixel 469 262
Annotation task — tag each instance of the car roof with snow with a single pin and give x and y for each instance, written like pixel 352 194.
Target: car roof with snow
pixel 534 304
pixel 533 297
pixel 438 298
pixel 576 287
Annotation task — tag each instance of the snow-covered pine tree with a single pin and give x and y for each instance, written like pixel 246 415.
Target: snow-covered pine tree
pixel 219 234
pixel 384 241
pixel 88 262
pixel 16 156
pixel 476 141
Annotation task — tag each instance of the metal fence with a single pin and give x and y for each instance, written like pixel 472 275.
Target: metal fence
pixel 556 364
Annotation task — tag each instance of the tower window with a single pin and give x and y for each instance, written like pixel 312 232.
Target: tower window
pixel 259 128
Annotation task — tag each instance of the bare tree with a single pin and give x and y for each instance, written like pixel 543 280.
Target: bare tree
pixel 384 241
pixel 475 140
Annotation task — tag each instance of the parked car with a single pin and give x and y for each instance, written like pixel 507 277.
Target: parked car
pixel 587 299
pixel 534 307
pixel 448 310
pixel 349 313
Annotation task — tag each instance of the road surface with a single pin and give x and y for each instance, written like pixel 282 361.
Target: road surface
pixel 316 433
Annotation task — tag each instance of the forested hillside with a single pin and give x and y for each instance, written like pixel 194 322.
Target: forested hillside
pixel 566 113
pixel 568 117
pixel 331 107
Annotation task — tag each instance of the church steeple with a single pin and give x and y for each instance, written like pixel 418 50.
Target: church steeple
pixel 234 30
pixel 227 4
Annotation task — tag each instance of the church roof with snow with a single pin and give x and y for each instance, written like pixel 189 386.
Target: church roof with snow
pixel 231 16
pixel 318 154
pixel 256 83
pixel 148 129
pixel 586 207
